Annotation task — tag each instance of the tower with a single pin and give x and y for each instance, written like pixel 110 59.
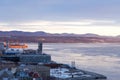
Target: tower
pixel 73 64
pixel 40 47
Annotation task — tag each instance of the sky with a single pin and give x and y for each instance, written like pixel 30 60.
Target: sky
pixel 61 16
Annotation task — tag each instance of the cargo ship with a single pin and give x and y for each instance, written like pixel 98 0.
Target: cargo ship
pixel 15 45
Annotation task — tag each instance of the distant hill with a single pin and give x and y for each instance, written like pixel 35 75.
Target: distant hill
pixel 21 33
pixel 55 38
pixel 41 33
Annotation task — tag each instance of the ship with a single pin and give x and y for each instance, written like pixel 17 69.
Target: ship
pixel 14 48
pixel 16 45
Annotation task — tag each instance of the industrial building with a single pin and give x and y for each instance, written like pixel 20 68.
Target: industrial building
pixel 35 58
pixel 24 56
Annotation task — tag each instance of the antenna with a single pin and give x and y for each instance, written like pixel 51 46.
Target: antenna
pixel 73 64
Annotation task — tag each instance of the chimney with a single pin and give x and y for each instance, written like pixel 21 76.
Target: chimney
pixel 40 48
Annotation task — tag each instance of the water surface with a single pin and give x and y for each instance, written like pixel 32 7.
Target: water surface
pixel 103 58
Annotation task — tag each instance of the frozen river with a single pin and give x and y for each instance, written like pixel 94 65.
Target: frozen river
pixel 103 58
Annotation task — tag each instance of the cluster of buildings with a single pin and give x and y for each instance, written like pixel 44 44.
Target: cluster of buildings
pixel 18 63
pixel 25 72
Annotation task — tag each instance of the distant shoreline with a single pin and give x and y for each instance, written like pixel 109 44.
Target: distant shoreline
pixel 20 36
pixel 60 39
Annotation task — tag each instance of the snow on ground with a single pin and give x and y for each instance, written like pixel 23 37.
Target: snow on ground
pixel 64 73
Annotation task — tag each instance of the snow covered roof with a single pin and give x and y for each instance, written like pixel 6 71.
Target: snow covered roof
pixel 65 73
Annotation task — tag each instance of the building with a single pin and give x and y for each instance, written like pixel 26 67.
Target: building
pixel 43 71
pixel 6 74
pixel 7 64
pixel 28 72
pixel 35 58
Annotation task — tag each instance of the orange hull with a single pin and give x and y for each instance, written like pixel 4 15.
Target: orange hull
pixel 18 46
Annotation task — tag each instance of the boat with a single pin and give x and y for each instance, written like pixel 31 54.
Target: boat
pixel 17 45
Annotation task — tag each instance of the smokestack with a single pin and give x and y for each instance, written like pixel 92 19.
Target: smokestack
pixel 40 47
